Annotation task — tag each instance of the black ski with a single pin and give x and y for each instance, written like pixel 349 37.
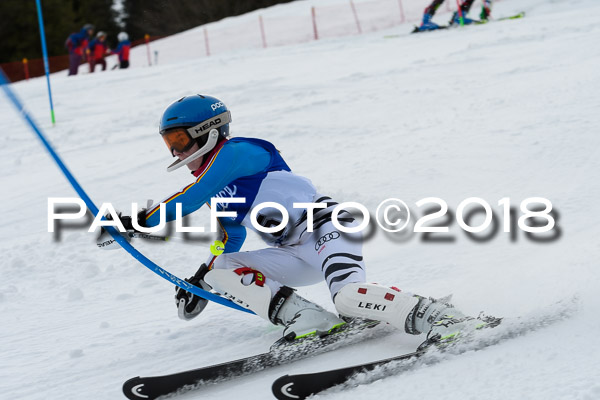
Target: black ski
pixel 282 352
pixel 304 385
pixel 156 386
pixel 301 386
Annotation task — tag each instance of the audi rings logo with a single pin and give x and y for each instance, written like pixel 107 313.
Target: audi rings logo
pixel 326 238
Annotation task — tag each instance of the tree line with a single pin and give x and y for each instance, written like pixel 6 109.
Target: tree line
pixel 20 36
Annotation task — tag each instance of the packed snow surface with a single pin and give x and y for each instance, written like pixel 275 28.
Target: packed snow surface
pixel 507 109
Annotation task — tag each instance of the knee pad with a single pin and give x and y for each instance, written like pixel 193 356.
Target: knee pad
pixel 373 301
pixel 228 282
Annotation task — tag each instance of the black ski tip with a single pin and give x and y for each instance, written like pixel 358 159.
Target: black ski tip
pixel 284 389
pixel 134 389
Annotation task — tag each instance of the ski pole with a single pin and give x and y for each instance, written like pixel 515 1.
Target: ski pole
pixel 12 97
pixel 45 55
pixel 460 14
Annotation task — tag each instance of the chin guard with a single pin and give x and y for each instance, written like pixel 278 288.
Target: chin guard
pixel 213 137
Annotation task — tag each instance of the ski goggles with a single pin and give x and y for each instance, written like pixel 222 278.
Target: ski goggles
pixel 182 139
pixel 178 139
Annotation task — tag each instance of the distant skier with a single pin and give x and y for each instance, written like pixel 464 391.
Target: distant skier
pixel 97 49
pixel 196 131
pixel 465 6
pixel 76 44
pixel 123 50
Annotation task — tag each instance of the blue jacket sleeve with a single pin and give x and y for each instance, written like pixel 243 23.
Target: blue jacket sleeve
pixel 234 160
pixel 235 235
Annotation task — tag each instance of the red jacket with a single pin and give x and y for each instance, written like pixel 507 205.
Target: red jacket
pixel 97 49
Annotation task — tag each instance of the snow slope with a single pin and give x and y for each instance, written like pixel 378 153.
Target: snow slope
pixel 507 109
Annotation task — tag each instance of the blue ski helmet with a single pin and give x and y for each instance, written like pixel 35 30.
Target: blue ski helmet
pixel 194 119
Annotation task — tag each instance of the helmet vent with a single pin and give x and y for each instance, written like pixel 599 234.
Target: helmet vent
pixel 172 118
pixel 202 97
pixel 179 101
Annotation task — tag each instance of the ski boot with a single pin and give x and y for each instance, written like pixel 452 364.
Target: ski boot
pixel 412 313
pixel 301 317
pixel 426 24
pixel 450 326
pixel 485 13
pixel 249 288
pixel 446 323
pixel 465 20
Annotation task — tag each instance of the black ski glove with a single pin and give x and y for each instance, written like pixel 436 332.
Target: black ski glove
pixel 127 221
pixel 188 304
pixel 105 240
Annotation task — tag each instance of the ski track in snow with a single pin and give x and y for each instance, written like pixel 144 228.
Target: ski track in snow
pixel 507 109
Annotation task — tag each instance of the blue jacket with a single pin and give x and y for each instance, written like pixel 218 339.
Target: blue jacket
pixel 123 50
pixel 75 40
pixel 240 167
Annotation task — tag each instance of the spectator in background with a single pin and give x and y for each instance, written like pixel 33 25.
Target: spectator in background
pixel 457 18
pixel 76 43
pixel 97 50
pixel 123 50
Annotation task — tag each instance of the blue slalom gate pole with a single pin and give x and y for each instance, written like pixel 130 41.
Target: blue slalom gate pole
pixel 10 94
pixel 45 54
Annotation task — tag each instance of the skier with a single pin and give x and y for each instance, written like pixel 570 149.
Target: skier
pixel 196 131
pixel 123 50
pixel 76 44
pixel 465 6
pixel 97 50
